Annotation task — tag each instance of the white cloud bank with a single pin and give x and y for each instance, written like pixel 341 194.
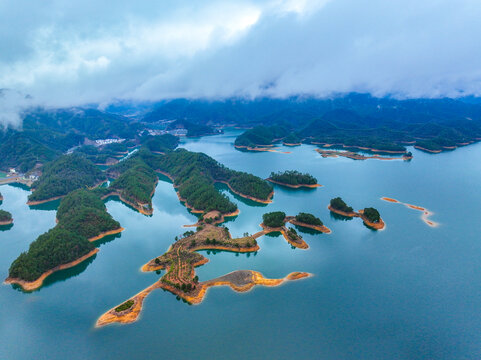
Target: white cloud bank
pixel 65 53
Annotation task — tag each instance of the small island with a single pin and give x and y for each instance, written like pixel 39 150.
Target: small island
pixel 275 222
pixel 370 216
pixel 81 219
pixel 338 206
pixel 293 179
pixel 5 218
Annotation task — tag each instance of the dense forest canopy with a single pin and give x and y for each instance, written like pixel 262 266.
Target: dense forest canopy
pixel 261 135
pixel 339 204
pixel 57 246
pixel 161 143
pixel 307 218
pixel 372 214
pixel 351 119
pixel 137 183
pixel 65 174
pixel 293 177
pixel 195 174
pixel 274 219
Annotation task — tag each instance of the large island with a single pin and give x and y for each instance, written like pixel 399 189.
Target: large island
pixel 81 219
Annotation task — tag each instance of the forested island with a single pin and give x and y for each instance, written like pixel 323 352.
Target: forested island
pixel 370 216
pixel 386 131
pixel 293 179
pixel 63 175
pixel 194 175
pixel 82 218
pixel 5 218
pixel 338 206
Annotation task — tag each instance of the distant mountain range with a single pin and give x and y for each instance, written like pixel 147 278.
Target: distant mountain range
pixel 353 119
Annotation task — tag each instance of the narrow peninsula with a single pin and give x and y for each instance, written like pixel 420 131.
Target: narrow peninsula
pixel 182 258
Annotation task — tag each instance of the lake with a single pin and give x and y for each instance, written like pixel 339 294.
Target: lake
pixel 408 292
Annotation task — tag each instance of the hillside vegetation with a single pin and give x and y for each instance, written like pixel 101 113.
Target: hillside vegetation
pixel 65 174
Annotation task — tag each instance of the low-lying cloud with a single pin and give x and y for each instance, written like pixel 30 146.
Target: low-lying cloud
pixel 78 52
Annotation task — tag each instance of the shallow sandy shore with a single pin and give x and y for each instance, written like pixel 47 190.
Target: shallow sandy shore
pixel 106 233
pixel 356 156
pixel 339 212
pixel 294 186
pixel 427 150
pixel 240 281
pixel 324 229
pixel 301 244
pixel 425 212
pixel 32 285
pixel 291 144
pixel 360 147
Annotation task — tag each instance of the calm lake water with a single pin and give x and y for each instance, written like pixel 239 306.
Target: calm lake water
pixel 408 292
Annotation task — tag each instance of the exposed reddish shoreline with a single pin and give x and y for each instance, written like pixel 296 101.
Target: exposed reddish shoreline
pixel 32 285
pixel 425 212
pixel 376 226
pixel 427 150
pixel 8 222
pixel 269 197
pixel 255 278
pixel 360 147
pixel 339 212
pixel 324 229
pixel 106 233
pixel 313 186
pixel 38 202
pixel 291 144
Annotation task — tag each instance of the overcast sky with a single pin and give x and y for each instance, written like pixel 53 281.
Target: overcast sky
pixel 65 53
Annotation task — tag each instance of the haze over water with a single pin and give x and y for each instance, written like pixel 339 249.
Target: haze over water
pixel 408 292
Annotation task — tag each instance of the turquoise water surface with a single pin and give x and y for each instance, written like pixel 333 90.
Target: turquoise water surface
pixel 407 292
